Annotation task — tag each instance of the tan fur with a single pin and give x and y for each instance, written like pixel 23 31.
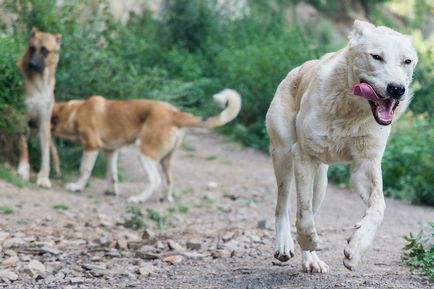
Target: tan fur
pixel 157 126
pixel 316 120
pixel 38 66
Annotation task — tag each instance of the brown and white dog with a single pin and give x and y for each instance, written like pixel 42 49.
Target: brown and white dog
pixel 157 127
pixel 38 67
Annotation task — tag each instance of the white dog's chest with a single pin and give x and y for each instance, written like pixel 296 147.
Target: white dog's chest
pixel 343 144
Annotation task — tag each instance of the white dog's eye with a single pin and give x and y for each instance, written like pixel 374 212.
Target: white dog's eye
pixel 407 61
pixel 377 57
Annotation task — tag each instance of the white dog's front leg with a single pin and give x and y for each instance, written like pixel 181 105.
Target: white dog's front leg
pixel 282 163
pixel 304 172
pixel 112 173
pixel 312 263
pixel 45 139
pixel 87 163
pixel 367 182
pixel 150 168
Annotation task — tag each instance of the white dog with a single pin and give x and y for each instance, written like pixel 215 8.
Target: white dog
pixel 337 109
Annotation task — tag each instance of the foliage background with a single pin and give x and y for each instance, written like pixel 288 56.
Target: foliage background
pixel 194 49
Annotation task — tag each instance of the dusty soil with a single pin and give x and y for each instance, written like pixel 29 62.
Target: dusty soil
pixel 222 192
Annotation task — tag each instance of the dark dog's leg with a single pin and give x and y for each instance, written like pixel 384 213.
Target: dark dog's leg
pixel 24 166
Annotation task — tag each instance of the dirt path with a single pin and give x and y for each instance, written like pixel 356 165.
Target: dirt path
pixel 222 192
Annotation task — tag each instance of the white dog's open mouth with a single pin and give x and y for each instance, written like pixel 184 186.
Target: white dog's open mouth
pixel 382 108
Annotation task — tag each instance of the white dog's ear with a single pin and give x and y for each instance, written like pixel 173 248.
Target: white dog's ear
pixel 360 28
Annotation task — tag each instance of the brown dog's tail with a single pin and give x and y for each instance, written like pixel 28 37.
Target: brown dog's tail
pixel 227 97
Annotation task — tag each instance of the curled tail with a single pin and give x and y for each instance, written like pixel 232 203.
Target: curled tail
pixel 227 97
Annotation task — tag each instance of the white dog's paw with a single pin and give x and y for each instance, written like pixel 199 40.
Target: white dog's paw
pixel 136 199
pixel 312 263
pixel 74 187
pixel 24 171
pixel 351 257
pixel 43 182
pixel 284 247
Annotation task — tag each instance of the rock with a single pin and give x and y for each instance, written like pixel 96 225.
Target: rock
pixel 36 268
pixel 160 245
pixel 147 255
pixel 192 255
pixel 102 241
pixel 10 253
pixel 94 267
pixel 174 246
pixel 227 236
pixel 105 221
pixel 132 237
pixel 148 235
pixel 193 244
pixel 173 259
pixel 76 280
pixel 211 186
pixel 3 237
pixel 262 224
pixel 13 243
pixel 11 261
pixel 222 254
pixel 113 253
pixel 121 244
pixel 8 275
pixel 146 269
pixel 51 250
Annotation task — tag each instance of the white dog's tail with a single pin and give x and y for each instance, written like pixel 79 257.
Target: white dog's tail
pixel 227 97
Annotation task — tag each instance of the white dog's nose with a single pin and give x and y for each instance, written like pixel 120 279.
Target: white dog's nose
pixel 395 90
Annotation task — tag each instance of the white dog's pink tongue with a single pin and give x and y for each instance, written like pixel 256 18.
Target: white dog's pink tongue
pixel 366 91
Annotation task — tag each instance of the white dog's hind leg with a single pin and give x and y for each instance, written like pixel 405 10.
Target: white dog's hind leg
pixel 45 139
pixel 150 167
pixel 311 263
pixel 367 182
pixel 282 163
pixel 87 163
pixel 304 173
pixel 112 173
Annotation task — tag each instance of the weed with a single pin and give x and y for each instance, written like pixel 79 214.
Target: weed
pixel 6 211
pixel 419 252
pixel 61 207
pixel 135 218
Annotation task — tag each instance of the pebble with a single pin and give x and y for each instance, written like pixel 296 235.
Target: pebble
pixel 211 186
pixel 8 275
pixel 173 259
pixel 174 246
pixel 146 269
pixel 11 261
pixel 76 280
pixel 3 236
pixel 51 250
pixel 94 266
pixel 194 244
pixel 36 268
pixel 262 224
pixel 148 235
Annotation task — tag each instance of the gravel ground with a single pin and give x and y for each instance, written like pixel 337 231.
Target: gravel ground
pixel 218 234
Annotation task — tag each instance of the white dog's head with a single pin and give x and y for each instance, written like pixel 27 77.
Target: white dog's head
pixel 382 67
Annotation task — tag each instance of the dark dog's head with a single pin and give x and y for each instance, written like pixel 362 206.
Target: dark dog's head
pixel 43 51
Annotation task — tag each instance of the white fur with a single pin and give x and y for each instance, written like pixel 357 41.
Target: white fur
pixel 315 120
pixel 87 163
pixel 154 180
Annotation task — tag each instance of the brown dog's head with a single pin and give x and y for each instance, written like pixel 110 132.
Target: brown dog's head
pixel 43 51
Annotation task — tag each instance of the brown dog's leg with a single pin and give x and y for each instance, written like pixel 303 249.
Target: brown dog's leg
pixel 23 166
pixel 55 158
